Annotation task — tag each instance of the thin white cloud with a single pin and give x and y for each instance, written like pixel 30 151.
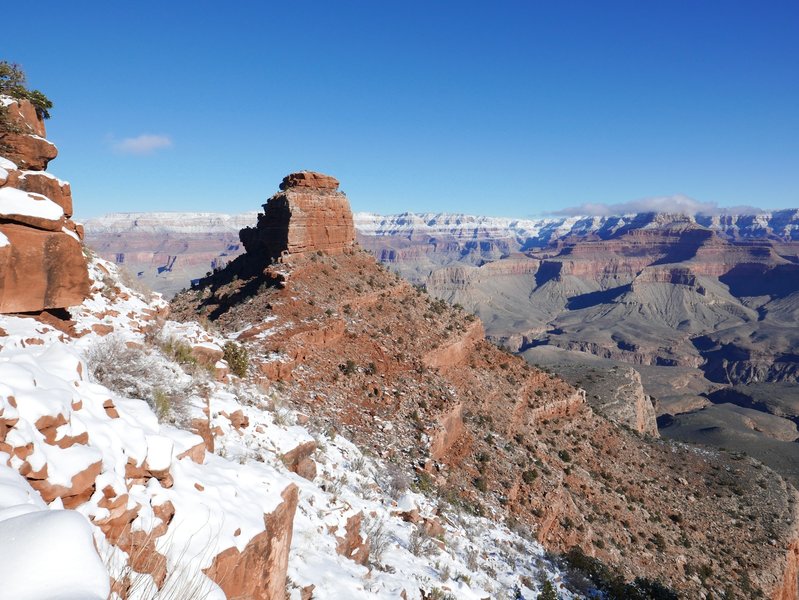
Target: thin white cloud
pixel 143 144
pixel 676 204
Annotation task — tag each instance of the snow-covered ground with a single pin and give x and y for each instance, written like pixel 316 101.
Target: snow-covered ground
pixel 70 441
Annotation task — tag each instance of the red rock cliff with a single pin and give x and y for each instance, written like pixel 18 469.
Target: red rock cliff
pixel 41 260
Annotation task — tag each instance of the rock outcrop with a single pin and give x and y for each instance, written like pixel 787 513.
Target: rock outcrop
pixel 259 572
pixel 309 214
pixel 41 260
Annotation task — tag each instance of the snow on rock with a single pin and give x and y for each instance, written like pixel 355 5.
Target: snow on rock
pixel 167 512
pixel 7 164
pixel 50 555
pixel 17 202
pixel 46 554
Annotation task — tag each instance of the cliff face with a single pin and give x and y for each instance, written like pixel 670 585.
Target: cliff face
pixel 410 378
pixel 41 260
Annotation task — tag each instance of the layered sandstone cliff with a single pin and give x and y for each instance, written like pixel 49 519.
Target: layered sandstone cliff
pixel 308 214
pixel 41 260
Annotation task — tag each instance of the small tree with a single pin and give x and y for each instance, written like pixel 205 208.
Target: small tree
pixel 13 83
pixel 238 358
pixel 548 591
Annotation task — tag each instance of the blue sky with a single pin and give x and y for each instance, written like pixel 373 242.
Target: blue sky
pixel 501 108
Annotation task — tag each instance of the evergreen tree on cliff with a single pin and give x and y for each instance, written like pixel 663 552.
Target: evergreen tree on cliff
pixel 13 83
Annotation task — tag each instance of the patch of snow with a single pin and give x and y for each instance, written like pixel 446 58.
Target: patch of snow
pixel 70 233
pixel 7 164
pixel 17 202
pixel 4 240
pixel 47 554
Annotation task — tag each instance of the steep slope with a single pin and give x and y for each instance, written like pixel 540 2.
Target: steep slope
pixel 412 380
pixel 260 502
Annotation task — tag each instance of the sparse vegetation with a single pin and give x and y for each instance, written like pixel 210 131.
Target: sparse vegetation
pixel 133 371
pixel 237 358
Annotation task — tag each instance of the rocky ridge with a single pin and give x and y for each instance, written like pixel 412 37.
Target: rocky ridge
pixel 410 378
pixel 187 481
pixel 42 266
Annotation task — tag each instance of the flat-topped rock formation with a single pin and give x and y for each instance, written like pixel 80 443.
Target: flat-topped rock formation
pixel 42 265
pixel 309 214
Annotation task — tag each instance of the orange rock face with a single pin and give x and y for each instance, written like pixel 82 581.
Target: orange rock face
pixel 27 151
pixel 352 544
pixel 259 572
pixel 40 270
pixel 41 259
pixel 44 184
pixel 308 215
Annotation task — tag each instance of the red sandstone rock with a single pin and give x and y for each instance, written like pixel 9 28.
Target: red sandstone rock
pixel 352 545
pixel 195 453
pixel 28 151
pixel 309 179
pixel 80 489
pixel 299 460
pixel 259 572
pixel 42 267
pixel 238 419
pixel 206 355
pixel 23 114
pixel 42 183
pixel 40 270
pixel 309 215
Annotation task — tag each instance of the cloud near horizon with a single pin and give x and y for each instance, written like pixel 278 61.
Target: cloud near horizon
pixel 677 203
pixel 143 144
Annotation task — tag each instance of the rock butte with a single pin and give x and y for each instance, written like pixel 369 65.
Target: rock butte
pixel 308 214
pixel 42 265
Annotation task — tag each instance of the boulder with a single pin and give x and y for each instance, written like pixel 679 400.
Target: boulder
pixel 39 182
pixel 352 545
pixel 40 270
pixel 299 460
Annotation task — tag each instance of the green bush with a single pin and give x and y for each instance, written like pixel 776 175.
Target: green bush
pixel 237 358
pixel 529 476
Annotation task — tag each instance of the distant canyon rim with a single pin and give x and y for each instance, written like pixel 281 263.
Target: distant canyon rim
pixel 696 316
